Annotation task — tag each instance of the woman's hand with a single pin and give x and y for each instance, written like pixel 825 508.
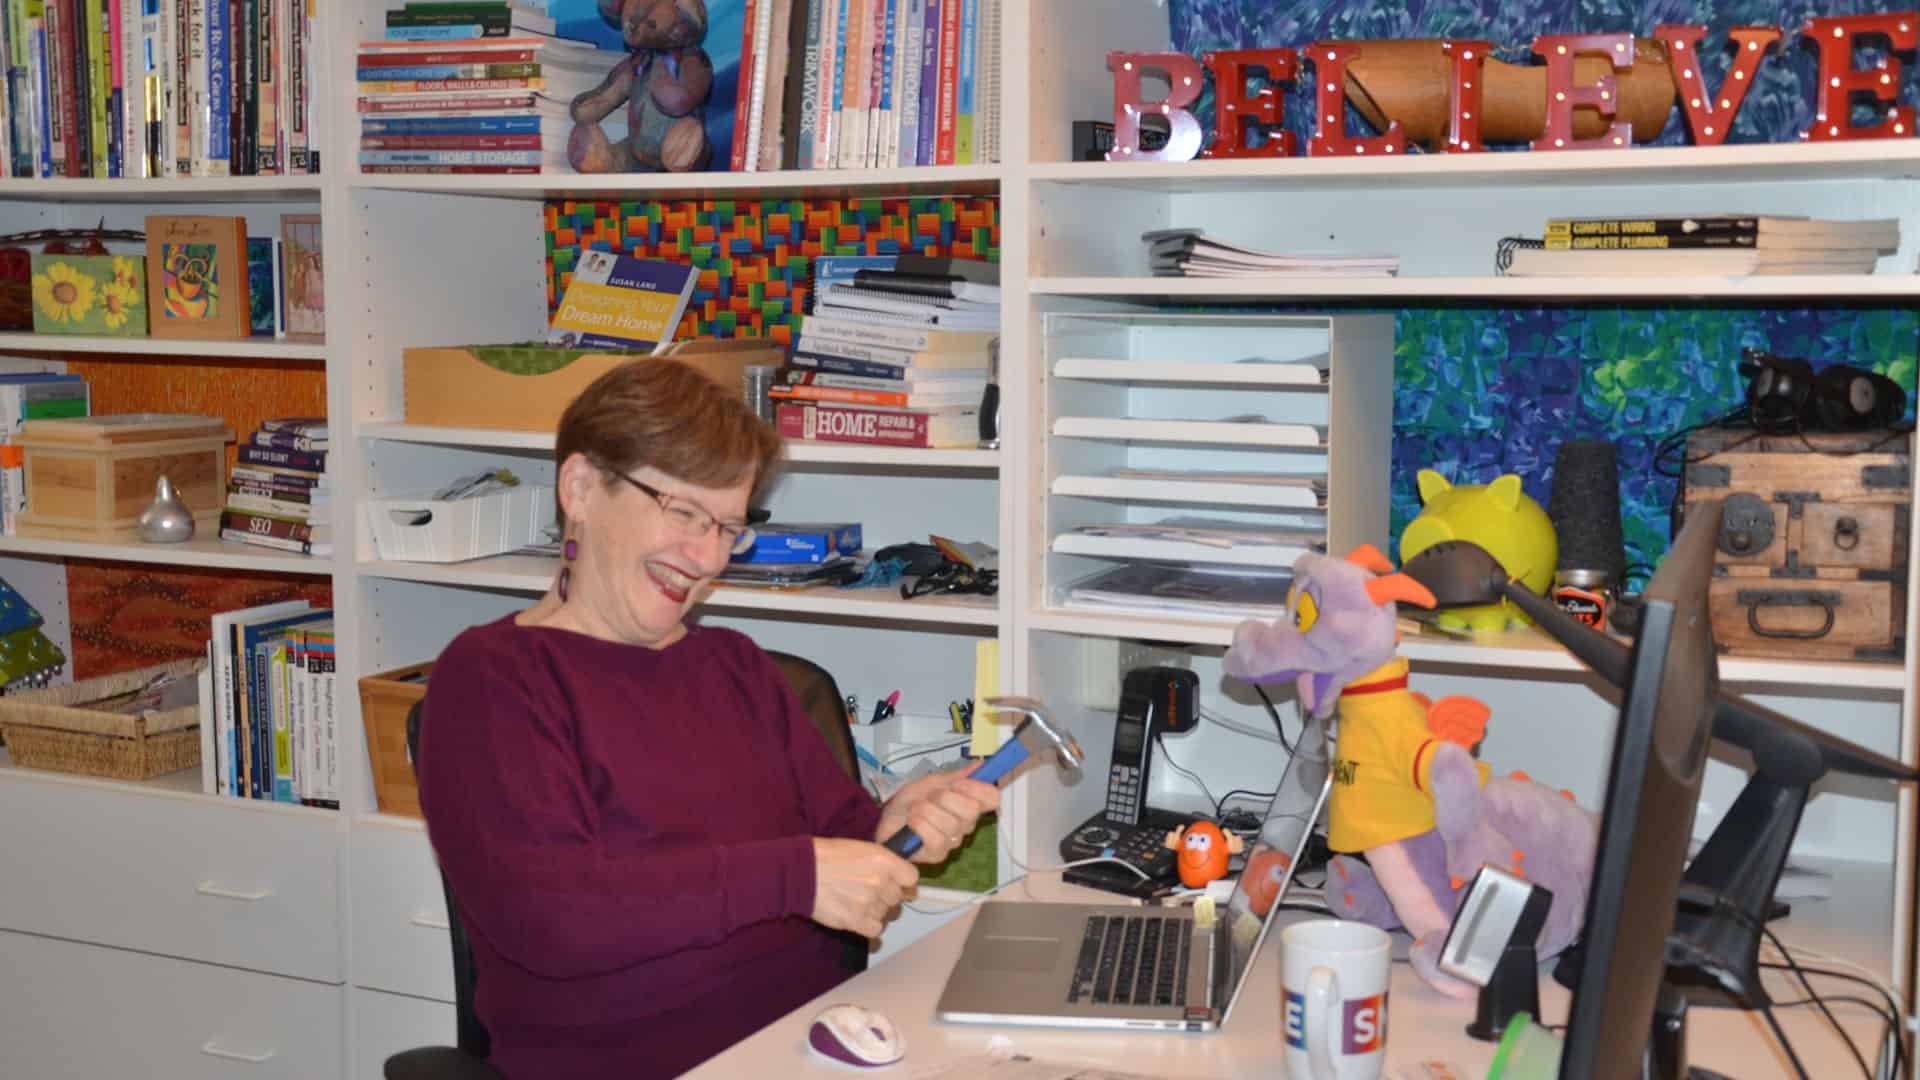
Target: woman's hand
pixel 942 810
pixel 855 884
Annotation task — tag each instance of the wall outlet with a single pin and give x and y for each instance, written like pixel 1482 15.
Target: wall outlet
pixel 1105 661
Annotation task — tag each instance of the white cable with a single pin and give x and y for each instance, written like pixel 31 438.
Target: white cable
pixel 1175 766
pixel 1026 872
pixel 917 751
pixel 1237 726
pixel 1804 957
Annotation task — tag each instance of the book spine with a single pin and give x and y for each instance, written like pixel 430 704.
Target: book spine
pixel 809 87
pixel 986 90
pixel 479 125
pixel 52 155
pixel 265 526
pixel 949 82
pixel 876 79
pixel 847 365
pixel 1657 226
pixel 283 459
pixel 280 709
pixel 925 143
pixel 963 103
pixel 450 157
pixel 440 32
pixel 434 86
pixel 219 119
pixel 296 492
pixel 475 141
pixel 240 536
pixel 275 476
pixel 909 339
pixel 301 425
pixel 446 72
pixel 325 706
pixel 743 90
pixel 907 102
pixel 828 423
pixel 452 170
pixel 116 41
pixel 441 106
pixel 419 57
pixel 288 440
pixel 826 121
pixel 841 395
pixel 99 86
pixel 853 128
pixel 1652 242
pixel 255 504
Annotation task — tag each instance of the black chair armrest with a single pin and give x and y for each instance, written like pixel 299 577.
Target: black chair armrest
pixel 437 1063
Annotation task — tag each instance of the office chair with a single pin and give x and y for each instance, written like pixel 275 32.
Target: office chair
pixel 467 1060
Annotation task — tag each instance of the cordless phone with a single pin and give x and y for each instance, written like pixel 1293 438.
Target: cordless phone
pixel 1127 775
pixel 1127 828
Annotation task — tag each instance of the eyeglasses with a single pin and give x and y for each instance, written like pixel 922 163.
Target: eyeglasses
pixel 690 520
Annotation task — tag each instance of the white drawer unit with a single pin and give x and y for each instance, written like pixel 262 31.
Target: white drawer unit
pixel 385 1024
pixel 85 1012
pixel 204 879
pixel 399 932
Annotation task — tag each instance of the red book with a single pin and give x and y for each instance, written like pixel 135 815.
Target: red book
pixel 442 103
pixel 527 141
pixel 743 92
pixel 826 422
pixel 279 528
pixel 949 81
pixel 454 170
pixel 436 86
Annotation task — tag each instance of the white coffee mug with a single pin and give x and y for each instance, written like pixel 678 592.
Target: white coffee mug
pixel 1333 999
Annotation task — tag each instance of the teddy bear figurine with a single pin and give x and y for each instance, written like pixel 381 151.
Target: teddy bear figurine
pixel 664 82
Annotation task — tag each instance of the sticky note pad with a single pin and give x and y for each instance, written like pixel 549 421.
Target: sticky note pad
pixel 988 733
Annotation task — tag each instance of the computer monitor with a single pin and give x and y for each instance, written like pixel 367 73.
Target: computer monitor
pixel 1659 759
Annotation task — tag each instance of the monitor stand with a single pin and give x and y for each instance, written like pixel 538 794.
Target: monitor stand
pixel 1667 1043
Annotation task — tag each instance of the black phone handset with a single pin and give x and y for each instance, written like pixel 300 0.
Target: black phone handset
pixel 1127 775
pixel 1151 700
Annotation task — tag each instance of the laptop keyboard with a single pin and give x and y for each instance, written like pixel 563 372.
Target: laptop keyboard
pixel 1132 960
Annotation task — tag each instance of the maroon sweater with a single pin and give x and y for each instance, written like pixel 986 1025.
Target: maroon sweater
pixel 627 833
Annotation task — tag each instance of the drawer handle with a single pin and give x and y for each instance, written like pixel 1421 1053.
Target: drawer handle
pixel 208 888
pixel 213 1049
pixel 426 921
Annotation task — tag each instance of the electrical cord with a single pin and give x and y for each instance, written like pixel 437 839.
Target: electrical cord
pixel 1161 745
pixel 1889 1014
pixel 1235 726
pixel 1786 1044
pixel 1274 712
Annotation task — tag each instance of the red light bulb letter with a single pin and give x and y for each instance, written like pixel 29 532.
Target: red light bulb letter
pixel 1558 50
pixel 1330 106
pixel 1710 116
pixel 1235 110
pixel 1184 82
pixel 1468 62
pixel 1841 82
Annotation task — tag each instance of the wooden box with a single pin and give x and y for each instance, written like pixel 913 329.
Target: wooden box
pixel 527 387
pixel 384 701
pixel 1812 559
pixel 89 478
pixel 130 726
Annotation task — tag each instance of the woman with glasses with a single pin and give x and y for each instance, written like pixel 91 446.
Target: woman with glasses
pixel 647 838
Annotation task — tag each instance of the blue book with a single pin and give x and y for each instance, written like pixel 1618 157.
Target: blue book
pixel 837 269
pixel 842 365
pixel 437 72
pixel 219 133
pixel 473 125
pixel 801 543
pixel 463 32
pixel 923 152
pixel 261 286
pixel 256 645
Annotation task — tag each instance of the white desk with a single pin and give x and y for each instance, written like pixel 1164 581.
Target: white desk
pixel 1422 1024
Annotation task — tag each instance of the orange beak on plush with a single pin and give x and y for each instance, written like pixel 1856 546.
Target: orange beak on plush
pixel 1203 849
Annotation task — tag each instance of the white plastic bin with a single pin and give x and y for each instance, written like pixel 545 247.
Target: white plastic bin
pixel 423 529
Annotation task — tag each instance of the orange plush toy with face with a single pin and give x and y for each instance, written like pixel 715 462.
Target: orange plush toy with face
pixel 1203 849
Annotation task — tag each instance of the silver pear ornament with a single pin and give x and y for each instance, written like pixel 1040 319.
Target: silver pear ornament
pixel 166 520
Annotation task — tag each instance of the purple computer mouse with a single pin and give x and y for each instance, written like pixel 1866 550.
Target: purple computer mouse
pixel 856 1035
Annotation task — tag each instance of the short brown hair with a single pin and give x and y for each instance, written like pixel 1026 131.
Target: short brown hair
pixel 665 415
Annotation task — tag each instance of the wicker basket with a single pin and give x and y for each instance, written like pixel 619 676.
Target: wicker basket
pixel 73 729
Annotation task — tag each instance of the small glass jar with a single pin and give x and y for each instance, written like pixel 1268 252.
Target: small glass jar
pixel 1587 595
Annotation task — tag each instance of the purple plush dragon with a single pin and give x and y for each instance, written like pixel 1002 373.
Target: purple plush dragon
pixel 1412 816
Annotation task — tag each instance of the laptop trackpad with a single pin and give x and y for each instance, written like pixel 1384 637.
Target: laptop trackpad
pixel 1016 953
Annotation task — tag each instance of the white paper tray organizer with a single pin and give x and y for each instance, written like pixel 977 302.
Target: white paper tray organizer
pixel 420 528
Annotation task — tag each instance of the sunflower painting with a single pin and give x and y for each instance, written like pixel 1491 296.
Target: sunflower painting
pixel 89 294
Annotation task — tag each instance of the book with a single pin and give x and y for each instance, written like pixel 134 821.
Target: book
pixel 622 302
pixel 842 327
pixel 833 422
pixel 230 743
pixel 1162 589
pixel 313 461
pixel 956 392
pixel 197 277
pixel 263 286
pixel 1724 230
pixel 799 542
pixel 1192 253
pixel 303 284
pixel 1708 262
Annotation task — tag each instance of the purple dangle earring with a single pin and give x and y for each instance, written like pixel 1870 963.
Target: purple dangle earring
pixel 569 552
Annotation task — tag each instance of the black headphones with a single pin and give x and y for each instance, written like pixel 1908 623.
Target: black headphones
pixel 1785 395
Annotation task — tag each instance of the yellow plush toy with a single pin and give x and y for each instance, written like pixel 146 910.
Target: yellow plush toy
pixel 1498 517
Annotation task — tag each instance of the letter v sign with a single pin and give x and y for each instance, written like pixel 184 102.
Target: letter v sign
pixel 1710 117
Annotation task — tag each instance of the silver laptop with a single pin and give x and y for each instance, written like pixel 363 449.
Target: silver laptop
pixel 1128 966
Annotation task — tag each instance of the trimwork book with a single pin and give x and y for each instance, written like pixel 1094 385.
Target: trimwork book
pixel 620 302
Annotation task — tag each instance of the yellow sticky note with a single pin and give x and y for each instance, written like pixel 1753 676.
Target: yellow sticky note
pixel 988 733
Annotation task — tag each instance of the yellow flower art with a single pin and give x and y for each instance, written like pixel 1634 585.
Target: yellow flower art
pixel 125 274
pixel 117 302
pixel 63 293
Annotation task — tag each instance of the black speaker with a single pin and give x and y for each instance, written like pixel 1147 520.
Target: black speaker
pixel 1847 398
pixel 1584 506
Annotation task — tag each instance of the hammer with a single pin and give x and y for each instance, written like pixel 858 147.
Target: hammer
pixel 1039 736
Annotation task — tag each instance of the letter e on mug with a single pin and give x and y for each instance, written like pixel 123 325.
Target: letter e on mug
pixel 1295 1014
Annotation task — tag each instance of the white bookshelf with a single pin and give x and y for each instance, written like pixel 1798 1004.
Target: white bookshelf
pixel 442 259
pixel 204 550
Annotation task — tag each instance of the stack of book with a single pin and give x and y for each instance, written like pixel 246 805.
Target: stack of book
pixel 31 390
pixel 268 727
pixel 1718 245
pixel 461 87
pixel 1192 253
pixel 277 493
pixel 897 355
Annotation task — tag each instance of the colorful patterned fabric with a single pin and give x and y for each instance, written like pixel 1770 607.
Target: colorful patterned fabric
pixel 754 256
